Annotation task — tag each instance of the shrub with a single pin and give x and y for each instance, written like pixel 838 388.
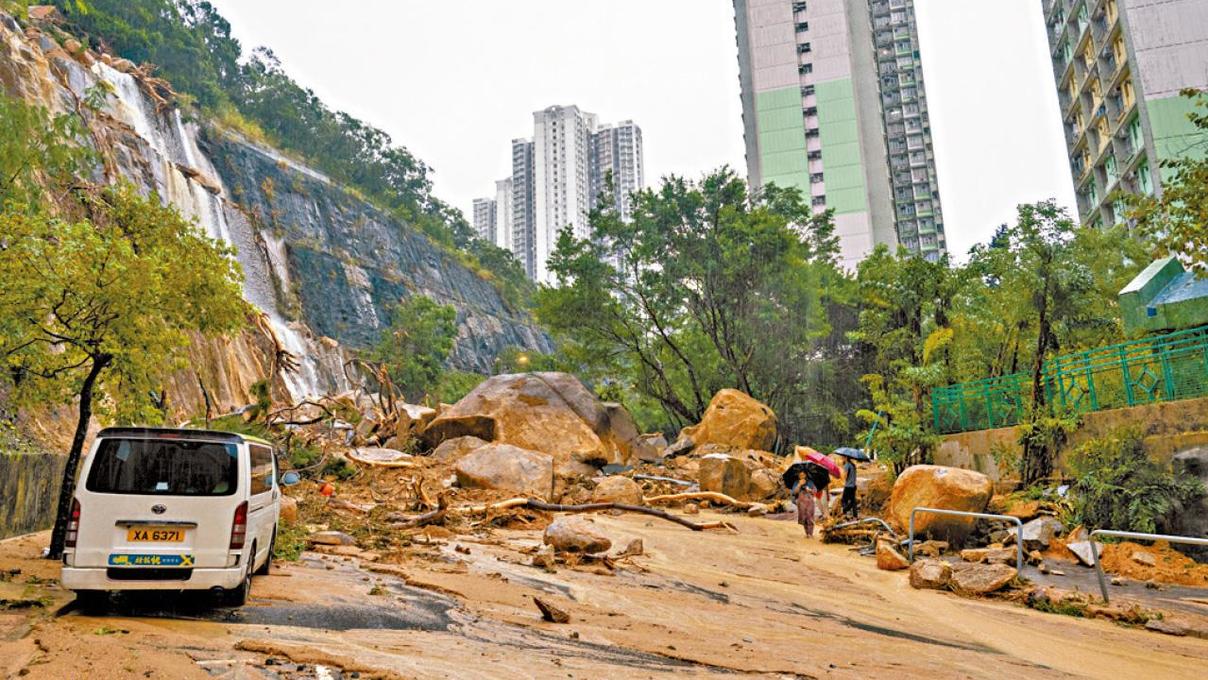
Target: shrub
pixel 1119 487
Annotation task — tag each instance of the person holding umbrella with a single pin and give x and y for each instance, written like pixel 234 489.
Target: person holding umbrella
pixel 850 507
pixel 802 492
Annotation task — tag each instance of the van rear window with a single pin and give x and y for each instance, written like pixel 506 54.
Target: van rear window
pixel 160 467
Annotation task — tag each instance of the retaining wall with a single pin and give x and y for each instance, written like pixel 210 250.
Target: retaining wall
pixel 1169 427
pixel 29 488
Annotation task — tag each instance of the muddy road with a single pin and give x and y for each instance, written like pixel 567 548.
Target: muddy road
pixel 763 603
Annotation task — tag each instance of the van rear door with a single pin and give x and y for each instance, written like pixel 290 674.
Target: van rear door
pixel 158 502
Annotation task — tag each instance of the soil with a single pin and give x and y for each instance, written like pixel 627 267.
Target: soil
pixel 1170 566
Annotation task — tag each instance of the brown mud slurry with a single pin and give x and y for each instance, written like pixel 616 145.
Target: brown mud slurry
pixel 763 603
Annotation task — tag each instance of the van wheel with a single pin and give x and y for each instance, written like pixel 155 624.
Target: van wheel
pixel 268 559
pixel 92 600
pixel 237 596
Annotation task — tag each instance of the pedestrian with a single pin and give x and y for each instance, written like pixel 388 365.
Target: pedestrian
pixel 820 477
pixel 803 493
pixel 849 489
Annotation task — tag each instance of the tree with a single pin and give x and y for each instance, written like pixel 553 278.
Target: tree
pixel 413 348
pixel 683 299
pixel 39 154
pixel 98 309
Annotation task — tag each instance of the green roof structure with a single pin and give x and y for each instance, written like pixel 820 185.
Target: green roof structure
pixel 1164 297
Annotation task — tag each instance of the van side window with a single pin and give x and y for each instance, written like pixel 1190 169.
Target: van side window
pixel 262 469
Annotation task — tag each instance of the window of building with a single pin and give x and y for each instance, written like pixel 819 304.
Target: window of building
pixel 811 111
pixel 805 68
pixel 799 6
pixel 814 155
pixel 804 48
pixel 818 201
pixel 812 132
pixel 816 178
pixel 803 26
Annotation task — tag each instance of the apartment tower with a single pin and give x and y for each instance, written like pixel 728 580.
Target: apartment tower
pixel 1119 67
pixel 834 105
pixel 558 177
pixel 485 221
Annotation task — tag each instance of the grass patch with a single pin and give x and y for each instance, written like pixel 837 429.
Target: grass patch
pixel 291 542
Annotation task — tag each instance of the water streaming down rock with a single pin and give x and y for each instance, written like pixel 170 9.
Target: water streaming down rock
pixel 320 262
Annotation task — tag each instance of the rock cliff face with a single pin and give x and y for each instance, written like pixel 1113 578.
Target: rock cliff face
pixel 322 265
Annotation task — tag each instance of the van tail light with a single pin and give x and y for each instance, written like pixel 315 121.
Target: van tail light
pixel 239 527
pixel 73 525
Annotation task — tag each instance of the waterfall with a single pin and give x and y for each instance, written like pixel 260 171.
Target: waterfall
pixel 173 146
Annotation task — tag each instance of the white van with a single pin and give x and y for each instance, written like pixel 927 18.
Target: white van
pixel 164 509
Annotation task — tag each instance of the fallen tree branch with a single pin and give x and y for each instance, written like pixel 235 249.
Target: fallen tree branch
pixel 711 496
pixel 589 507
pixel 430 517
pixel 671 480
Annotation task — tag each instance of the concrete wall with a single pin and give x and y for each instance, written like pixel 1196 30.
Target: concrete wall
pixel 29 489
pixel 1169 427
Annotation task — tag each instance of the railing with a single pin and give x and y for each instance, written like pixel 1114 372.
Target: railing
pixel 1162 368
pixel 962 513
pixel 1132 534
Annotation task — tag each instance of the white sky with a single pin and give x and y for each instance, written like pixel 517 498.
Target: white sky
pixel 456 80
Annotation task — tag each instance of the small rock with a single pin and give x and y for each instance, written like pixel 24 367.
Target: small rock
pixel 551 613
pixel 1143 558
pixel 691 509
pixel 331 538
pixel 928 573
pixel 889 559
pixel 632 549
pixel 289 509
pixel 1082 550
pixel 1167 627
pixel 931 548
pixel 1117 581
pixel 1039 533
pixel 575 534
pixel 982 578
pixel 545 559
pixel 1056 572
pixel 1042 568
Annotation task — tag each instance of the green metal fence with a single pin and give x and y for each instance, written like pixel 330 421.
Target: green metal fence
pixel 1159 368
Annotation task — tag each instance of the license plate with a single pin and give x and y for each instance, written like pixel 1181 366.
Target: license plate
pixel 154 535
pixel 137 560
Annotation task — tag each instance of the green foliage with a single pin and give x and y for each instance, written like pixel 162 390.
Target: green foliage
pixel 413 348
pixel 453 385
pixel 1117 485
pixel 291 542
pixel 682 300
pixel 117 293
pixel 237 424
pixel 1177 220
pixel 40 154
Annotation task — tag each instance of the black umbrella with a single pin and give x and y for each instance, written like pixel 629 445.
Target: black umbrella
pixel 814 471
pixel 854 454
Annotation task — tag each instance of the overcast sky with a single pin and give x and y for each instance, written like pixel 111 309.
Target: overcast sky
pixel 456 80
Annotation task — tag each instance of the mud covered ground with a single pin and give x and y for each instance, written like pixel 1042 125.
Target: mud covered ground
pixel 763 602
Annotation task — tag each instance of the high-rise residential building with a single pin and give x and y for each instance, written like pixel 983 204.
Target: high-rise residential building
pixel 616 152
pixel 484 218
pixel 1119 67
pixel 503 213
pixel 833 105
pixel 559 176
pixel 562 154
pixel 523 205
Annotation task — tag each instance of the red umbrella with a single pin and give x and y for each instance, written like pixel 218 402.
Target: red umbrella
pixel 824 461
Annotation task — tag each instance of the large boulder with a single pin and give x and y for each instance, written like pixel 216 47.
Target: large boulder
pixel 455 448
pixel 617 489
pixel 504 467
pixel 552 413
pixel 889 558
pixel 726 474
pixel 735 420
pixel 979 579
pixel 935 486
pixel 575 533
pixel 1039 533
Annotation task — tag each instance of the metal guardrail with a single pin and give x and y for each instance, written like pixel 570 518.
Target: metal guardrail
pixel 1132 534
pixel 1159 368
pixel 961 513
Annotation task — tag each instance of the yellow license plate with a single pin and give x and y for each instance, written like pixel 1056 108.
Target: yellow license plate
pixel 154 535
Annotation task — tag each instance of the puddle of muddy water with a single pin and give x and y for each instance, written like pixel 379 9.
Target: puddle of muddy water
pixel 404 608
